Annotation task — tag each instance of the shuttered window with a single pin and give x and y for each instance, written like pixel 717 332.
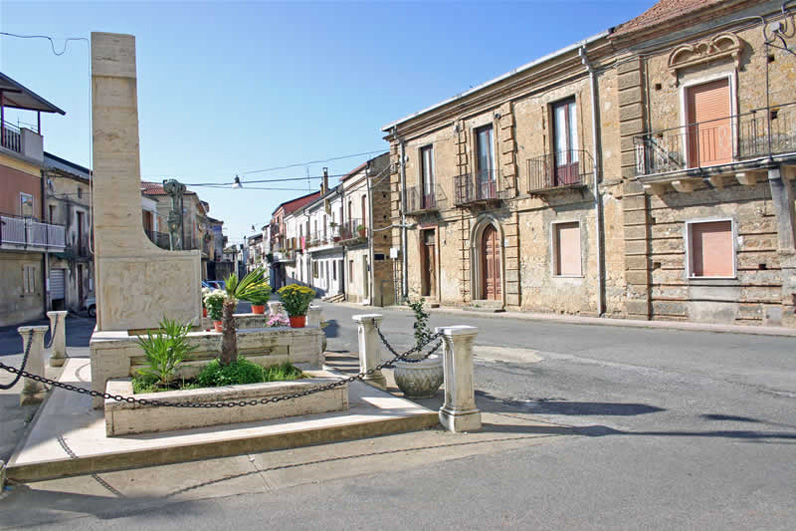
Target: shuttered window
pixel 566 246
pixel 711 249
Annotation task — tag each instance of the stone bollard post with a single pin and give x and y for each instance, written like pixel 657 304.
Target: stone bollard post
pixel 58 355
pixel 275 308
pixel 370 348
pixel 459 412
pixel 314 315
pixel 33 391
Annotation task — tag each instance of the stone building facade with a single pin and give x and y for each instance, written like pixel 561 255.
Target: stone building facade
pixel 708 128
pixel 71 271
pixel 605 179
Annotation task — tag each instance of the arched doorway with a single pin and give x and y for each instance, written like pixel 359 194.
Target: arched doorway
pixel 489 252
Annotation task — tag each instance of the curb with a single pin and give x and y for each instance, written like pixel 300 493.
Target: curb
pixel 594 321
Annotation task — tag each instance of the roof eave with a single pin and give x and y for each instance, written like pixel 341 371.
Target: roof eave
pixel 527 66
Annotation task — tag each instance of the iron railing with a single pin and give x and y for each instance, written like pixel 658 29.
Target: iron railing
pixel 353 229
pixel 563 169
pixel 30 232
pixel 478 187
pixel 759 133
pixel 11 138
pixel 418 199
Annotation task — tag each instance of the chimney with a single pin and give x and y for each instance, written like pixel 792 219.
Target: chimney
pixel 325 186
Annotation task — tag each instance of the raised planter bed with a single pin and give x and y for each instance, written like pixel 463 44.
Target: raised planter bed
pixel 122 418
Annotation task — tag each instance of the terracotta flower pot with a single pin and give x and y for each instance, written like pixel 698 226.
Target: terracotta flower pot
pixel 258 308
pixel 298 321
pixel 204 312
pixel 218 326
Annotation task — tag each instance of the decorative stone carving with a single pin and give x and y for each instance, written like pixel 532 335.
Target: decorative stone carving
pixel 723 45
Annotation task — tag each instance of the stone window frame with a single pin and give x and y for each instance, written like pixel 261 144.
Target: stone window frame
pixel 689 81
pixel 554 248
pixel 689 255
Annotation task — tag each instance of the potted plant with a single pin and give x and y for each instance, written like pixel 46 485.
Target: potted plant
pixel 259 300
pixel 214 303
pixel 296 301
pixel 361 231
pixel 419 378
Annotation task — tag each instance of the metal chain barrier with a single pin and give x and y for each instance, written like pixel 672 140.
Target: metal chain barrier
pixel 52 335
pixel 19 372
pixel 210 405
pixel 417 348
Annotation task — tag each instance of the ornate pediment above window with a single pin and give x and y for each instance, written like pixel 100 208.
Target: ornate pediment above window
pixel 723 45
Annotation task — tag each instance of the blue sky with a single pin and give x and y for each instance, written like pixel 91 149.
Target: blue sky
pixel 226 88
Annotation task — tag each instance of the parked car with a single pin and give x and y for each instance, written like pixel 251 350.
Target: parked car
pixel 90 305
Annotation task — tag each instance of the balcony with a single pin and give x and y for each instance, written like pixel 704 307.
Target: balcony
pixel 557 172
pixel 417 201
pixel 11 138
pixel 477 188
pixel 18 232
pixel 353 231
pixel 715 148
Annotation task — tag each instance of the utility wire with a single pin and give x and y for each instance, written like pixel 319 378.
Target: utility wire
pixel 342 157
pixel 46 37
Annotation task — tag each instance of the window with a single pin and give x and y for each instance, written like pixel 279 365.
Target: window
pixel 566 250
pixel 710 249
pixel 52 213
pixel 565 136
pixel 334 271
pixel 427 175
pixel 484 156
pixel 26 205
pixel 315 270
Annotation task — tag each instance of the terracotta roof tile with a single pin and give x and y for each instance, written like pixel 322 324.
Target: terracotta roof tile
pixel 663 11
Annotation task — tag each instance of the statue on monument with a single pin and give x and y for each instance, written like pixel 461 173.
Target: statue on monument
pixel 175 190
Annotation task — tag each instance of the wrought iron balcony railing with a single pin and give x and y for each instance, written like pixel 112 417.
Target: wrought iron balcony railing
pixel 420 200
pixel 26 232
pixel 762 132
pixel 478 187
pixel 564 169
pixel 353 229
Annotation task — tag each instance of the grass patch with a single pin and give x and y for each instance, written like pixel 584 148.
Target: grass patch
pixel 214 374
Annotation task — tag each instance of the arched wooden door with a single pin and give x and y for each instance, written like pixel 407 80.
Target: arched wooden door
pixel 490 264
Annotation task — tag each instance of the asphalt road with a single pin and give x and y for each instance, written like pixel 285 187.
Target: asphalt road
pixel 662 429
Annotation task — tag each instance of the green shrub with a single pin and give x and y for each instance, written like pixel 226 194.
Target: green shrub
pixel 244 371
pixel 241 371
pixel 422 331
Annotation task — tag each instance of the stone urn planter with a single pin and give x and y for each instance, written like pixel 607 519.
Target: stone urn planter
pixel 419 379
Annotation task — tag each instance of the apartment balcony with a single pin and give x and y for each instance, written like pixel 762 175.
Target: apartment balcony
pixel 478 188
pixel 18 232
pixel 23 141
pixel 740 146
pixel 554 173
pixel 353 231
pixel 419 201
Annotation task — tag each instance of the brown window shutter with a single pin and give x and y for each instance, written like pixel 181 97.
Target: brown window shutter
pixel 712 249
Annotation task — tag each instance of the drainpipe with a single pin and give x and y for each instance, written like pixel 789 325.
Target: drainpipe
pixel 371 242
pixel 598 211
pixel 404 260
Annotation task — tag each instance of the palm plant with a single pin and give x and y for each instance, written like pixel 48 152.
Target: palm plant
pixel 165 350
pixel 252 286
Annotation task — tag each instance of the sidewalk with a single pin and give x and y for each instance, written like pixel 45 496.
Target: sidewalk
pixel 582 320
